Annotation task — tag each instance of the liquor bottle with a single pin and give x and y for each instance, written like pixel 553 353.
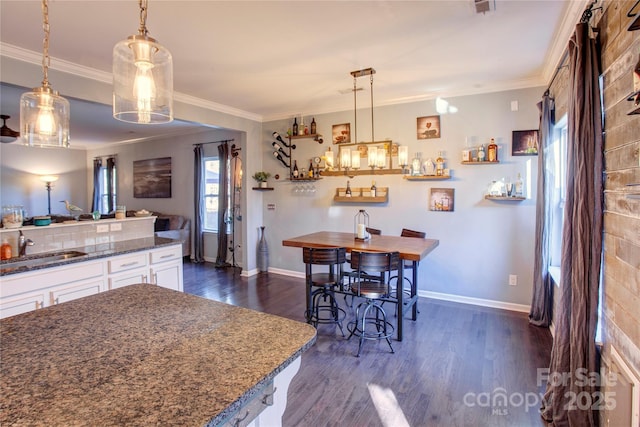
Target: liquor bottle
pixel 518 186
pixel 295 126
pixel 296 172
pixel 313 126
pixel 306 130
pixel 279 148
pixel 301 127
pixel 279 157
pixel 416 165
pixel 373 189
pixel 481 153
pixel 439 164
pixel 6 250
pixel 281 140
pixel 347 193
pixel 492 151
pixel 310 169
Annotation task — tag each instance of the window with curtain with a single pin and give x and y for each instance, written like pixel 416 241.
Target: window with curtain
pixel 558 158
pixel 210 193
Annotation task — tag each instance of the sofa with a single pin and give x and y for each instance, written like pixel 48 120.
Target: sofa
pixel 175 227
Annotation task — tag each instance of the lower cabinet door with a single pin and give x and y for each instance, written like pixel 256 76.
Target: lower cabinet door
pixel 129 278
pixel 168 276
pixel 22 304
pixel 73 291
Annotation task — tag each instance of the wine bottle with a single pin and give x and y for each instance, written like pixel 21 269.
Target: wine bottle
pixel 279 148
pixel 313 126
pixel 277 136
pixel 439 164
pixel 492 151
pixel 518 186
pixel 279 157
pixel 347 193
pixel 310 169
pixel 481 154
pixel 295 126
pixel 373 189
pixel 296 172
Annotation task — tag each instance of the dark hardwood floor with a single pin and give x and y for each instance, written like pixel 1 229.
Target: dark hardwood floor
pixel 458 365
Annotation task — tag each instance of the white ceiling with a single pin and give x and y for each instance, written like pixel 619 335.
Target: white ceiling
pixel 275 59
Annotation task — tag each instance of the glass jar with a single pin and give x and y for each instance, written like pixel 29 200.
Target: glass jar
pixel 12 216
pixel 121 212
pixel 360 225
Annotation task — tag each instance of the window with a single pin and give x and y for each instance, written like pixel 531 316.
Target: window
pixel 210 193
pixel 557 164
pixel 105 184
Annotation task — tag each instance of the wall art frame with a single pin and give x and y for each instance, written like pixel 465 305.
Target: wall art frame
pixel 341 134
pixel 428 127
pixel 524 142
pixel 152 178
pixel 442 199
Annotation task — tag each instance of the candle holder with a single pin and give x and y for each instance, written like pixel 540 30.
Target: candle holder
pixel 360 225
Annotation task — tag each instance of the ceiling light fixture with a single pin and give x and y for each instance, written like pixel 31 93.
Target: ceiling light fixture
pixel 6 133
pixel 356 74
pixel 142 78
pixel 44 114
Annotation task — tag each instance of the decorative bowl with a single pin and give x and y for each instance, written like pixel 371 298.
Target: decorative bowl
pixel 41 220
pixel 142 213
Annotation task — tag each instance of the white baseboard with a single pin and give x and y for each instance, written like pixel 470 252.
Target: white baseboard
pixel 435 295
pixel 475 301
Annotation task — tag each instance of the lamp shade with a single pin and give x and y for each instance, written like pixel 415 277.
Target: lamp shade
pixel 6 133
pixel 142 81
pixel 44 118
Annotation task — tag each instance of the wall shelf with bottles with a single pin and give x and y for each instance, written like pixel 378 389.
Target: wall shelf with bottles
pixel 262 188
pixel 505 198
pixel 362 195
pixel 354 172
pixel 426 177
pixel 481 163
pixel 305 179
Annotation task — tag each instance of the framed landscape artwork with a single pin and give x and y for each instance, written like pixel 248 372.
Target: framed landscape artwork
pixel 428 127
pixel 341 134
pixel 442 199
pixel 152 178
pixel 524 143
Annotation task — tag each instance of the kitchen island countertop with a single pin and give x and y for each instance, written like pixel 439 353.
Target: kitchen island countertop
pixel 140 355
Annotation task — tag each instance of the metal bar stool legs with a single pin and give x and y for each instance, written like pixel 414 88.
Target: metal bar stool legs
pixel 379 327
pixel 324 308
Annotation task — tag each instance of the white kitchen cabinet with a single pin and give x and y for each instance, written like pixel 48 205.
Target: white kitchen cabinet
pixel 128 269
pixel 28 291
pixel 166 267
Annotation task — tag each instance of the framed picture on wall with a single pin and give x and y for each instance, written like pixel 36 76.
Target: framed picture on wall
pixel 442 199
pixel 524 143
pixel 428 127
pixel 341 134
pixel 152 178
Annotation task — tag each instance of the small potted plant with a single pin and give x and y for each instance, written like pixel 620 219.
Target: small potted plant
pixel 262 177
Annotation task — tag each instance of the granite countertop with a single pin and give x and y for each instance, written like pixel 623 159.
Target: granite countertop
pixel 101 250
pixel 140 355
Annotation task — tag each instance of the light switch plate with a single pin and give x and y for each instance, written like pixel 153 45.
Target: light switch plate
pixel 102 228
pixel 116 226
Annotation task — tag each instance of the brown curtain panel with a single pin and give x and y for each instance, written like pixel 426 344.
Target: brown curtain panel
pixel 574 349
pixel 542 300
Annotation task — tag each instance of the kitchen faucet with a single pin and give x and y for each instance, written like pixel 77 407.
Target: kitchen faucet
pixel 23 243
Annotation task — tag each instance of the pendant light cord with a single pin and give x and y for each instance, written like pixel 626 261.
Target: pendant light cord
pixel 372 138
pixel 46 61
pixel 143 18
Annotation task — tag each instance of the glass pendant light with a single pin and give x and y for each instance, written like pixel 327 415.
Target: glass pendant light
pixel 44 114
pixel 142 78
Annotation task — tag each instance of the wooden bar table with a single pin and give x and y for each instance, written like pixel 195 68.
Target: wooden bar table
pixel 410 248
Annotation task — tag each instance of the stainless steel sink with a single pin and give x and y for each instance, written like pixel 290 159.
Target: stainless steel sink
pixel 39 259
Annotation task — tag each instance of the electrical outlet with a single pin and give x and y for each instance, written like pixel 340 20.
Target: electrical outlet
pixel 102 228
pixel 116 226
pixel 513 280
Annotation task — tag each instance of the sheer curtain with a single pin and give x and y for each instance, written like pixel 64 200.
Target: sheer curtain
pixel 541 303
pixel 574 346
pixel 111 185
pixel 223 205
pixel 198 205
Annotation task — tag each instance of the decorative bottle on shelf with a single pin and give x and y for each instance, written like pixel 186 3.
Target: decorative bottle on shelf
pixel 373 189
pixel 263 252
pixel 296 172
pixel 6 250
pixel 416 165
pixel 492 151
pixel 301 127
pixel 481 154
pixel 313 126
pixel 294 129
pixel 282 160
pixel 518 186
pixel 310 169
pixel 347 193
pixel 279 138
pixel 279 148
pixel 439 164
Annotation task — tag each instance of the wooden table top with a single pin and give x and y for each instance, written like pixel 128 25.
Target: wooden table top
pixel 410 248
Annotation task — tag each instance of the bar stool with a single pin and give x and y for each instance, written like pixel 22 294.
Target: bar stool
pixel 371 319
pixel 408 265
pixel 321 302
pixel 351 274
